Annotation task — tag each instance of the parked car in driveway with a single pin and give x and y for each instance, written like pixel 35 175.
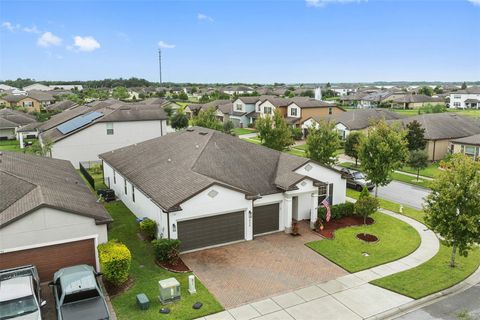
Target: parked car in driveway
pixel 78 295
pixel 356 179
pixel 20 294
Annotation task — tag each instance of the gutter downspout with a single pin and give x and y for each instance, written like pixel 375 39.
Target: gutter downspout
pixel 161 134
pixel 168 223
pixel 433 156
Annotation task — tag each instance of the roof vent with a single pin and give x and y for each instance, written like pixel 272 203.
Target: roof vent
pixel 169 160
pixel 197 146
pixel 203 133
pixel 190 130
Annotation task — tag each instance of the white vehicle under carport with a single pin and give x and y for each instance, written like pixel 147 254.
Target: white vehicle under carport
pixel 20 294
pixel 78 295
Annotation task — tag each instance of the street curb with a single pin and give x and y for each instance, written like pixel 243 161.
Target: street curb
pixel 469 282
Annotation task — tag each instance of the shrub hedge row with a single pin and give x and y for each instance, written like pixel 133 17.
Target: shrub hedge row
pixel 337 211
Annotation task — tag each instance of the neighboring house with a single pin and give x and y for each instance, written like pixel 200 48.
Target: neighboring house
pixel 83 132
pixel 68 87
pixel 342 92
pixel 354 99
pixel 238 90
pixel 441 129
pixel 465 99
pixel 207 188
pixel 415 101
pixel 38 87
pixel 355 120
pixel 5 87
pixel 377 98
pixel 33 101
pixel 60 106
pixel 48 216
pixel 11 121
pixel 469 146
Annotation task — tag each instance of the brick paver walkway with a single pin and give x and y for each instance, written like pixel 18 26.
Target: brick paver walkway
pixel 269 265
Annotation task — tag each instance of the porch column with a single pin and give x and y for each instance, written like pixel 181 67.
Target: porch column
pixel 313 210
pixel 20 136
pixel 288 213
pixel 249 222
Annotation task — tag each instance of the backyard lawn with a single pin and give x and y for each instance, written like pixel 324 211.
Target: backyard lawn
pixel 9 145
pixel 396 240
pixel 432 276
pixel 240 131
pixel 432 171
pixel 146 274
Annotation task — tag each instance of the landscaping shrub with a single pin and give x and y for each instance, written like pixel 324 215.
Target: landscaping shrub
pixel 297 133
pixel 96 168
pixel 149 228
pixel 115 261
pixel 166 250
pixel 337 211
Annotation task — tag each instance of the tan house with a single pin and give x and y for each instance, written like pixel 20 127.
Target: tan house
pixel 415 101
pixel 34 101
pixel 469 146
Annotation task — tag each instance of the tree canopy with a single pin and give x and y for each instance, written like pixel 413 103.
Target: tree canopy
pixel 453 208
pixel 274 132
pixel 415 136
pixel 418 159
pixel 352 143
pixel 207 119
pixel 322 142
pixel 179 120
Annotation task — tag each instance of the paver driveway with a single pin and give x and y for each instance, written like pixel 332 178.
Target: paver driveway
pixel 269 265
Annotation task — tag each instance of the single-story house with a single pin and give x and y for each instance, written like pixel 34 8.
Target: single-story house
pixel 48 216
pixel 441 128
pixel 415 101
pixel 11 121
pixel 469 145
pixel 38 87
pixel 83 132
pixel 354 120
pixel 207 188
pixel 60 106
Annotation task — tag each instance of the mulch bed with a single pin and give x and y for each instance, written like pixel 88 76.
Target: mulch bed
pixel 367 237
pixel 330 227
pixel 179 267
pixel 114 290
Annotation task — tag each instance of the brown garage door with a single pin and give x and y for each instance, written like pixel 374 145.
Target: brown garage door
pixel 265 218
pixel 49 259
pixel 209 231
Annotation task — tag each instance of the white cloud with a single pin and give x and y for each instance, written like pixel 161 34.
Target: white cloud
pixel 31 30
pixel 475 2
pixel 165 45
pixel 204 17
pixel 9 26
pixel 48 39
pixel 323 3
pixel 87 44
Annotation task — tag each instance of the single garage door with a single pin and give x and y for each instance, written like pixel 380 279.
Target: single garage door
pixel 209 231
pixel 49 259
pixel 265 218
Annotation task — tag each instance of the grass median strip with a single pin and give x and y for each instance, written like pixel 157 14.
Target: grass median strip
pixel 396 240
pixel 432 276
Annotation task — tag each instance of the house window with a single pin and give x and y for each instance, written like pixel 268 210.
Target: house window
pixel 457 104
pixel 133 193
pixel 238 107
pixel 267 110
pixel 293 112
pixel 323 192
pixel 330 110
pixel 470 151
pixel 125 185
pixel 114 178
pixel 27 104
pixel 109 128
pixel 108 182
pixel 457 97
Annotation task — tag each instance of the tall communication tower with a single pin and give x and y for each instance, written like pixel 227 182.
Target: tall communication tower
pixel 160 64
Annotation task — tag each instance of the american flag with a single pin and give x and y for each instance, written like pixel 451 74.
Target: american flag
pixel 327 206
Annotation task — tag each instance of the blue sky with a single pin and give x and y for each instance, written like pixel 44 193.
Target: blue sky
pixel 242 41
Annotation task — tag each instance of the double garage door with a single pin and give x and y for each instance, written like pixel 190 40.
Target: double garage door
pixel 224 228
pixel 49 259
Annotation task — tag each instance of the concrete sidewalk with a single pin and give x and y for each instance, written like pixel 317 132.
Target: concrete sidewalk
pixel 347 297
pixel 248 135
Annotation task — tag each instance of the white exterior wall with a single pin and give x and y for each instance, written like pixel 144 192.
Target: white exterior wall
pixel 342 130
pixel 294 106
pixel 267 104
pixel 327 176
pixel 459 98
pixel 202 205
pixel 87 144
pixel 49 226
pixel 143 205
pixel 305 192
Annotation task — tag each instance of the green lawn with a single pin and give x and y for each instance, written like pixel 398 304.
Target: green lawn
pixel 393 206
pixel 406 112
pixel 146 274
pixel 240 131
pixel 10 145
pixel 347 251
pixel 432 276
pixel 468 113
pixel 301 147
pixel 411 180
pixel 256 141
pixel 297 152
pixel 432 171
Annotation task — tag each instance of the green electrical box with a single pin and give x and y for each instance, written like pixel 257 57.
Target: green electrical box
pixel 142 301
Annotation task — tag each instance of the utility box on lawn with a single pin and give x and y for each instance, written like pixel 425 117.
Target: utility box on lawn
pixel 142 301
pixel 169 290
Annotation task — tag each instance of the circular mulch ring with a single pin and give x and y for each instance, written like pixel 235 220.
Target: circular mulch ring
pixel 367 237
pixel 179 267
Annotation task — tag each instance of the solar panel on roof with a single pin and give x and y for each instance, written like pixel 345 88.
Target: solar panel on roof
pixel 78 122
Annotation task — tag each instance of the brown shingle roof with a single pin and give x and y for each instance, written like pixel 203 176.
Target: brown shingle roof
pixel 175 167
pixel 360 118
pixel 29 182
pixel 470 140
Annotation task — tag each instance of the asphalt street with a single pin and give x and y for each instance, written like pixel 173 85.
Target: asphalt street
pixel 403 193
pixel 462 306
